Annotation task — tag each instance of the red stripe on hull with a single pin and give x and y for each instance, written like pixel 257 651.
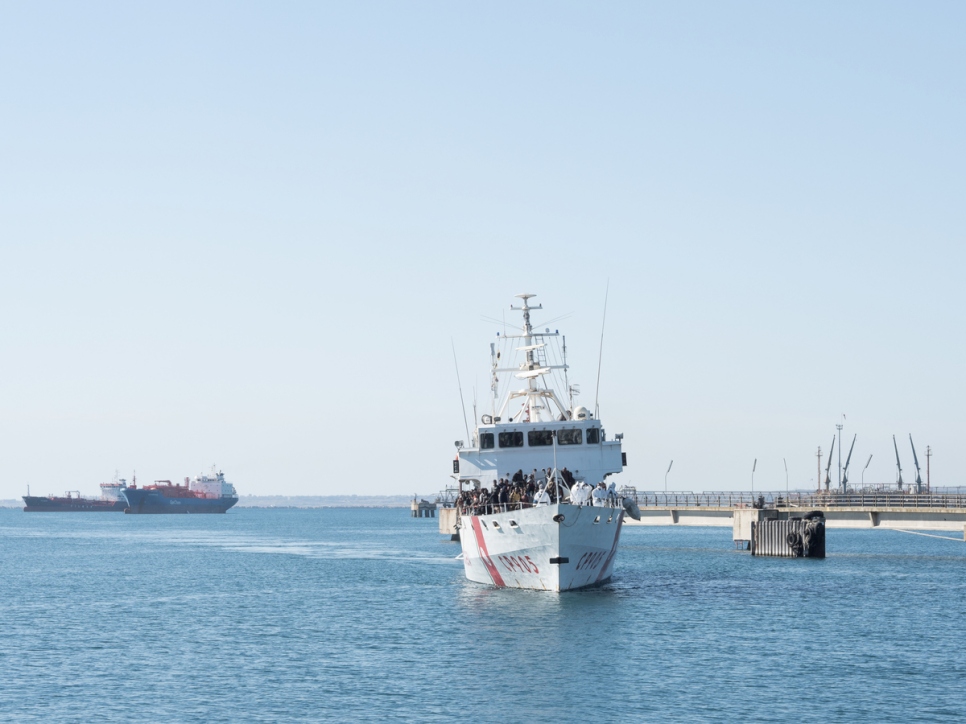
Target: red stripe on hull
pixel 484 554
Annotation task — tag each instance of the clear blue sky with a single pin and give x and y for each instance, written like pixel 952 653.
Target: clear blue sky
pixel 246 233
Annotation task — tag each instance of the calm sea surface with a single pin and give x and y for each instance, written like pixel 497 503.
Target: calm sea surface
pixel 311 615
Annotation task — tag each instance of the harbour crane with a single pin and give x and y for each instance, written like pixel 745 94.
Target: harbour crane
pixel 898 464
pixel 828 468
pixel 845 470
pixel 916 460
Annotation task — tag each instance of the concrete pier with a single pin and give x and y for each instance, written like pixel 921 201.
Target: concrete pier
pixel 422 509
pixel 930 512
pixel 448 518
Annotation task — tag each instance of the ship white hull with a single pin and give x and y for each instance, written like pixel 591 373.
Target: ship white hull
pixel 529 549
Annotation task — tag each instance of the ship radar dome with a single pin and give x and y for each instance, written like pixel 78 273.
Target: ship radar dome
pixel 582 413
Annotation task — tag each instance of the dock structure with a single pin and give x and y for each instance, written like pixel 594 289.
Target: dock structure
pixel 789 537
pixel 422 509
pixel 449 522
pixel 891 510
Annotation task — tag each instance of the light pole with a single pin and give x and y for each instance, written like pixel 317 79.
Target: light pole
pixel 863 470
pixel 753 477
pixel 665 476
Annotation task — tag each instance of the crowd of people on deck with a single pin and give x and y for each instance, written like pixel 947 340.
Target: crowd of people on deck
pixel 537 488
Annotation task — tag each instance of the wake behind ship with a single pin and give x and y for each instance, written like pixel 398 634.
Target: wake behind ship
pixel 203 494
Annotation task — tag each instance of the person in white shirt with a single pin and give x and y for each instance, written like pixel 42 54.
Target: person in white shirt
pixel 541 498
pixel 600 495
pixel 575 494
pixel 580 493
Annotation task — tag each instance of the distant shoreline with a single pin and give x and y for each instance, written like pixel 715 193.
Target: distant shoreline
pixel 304 501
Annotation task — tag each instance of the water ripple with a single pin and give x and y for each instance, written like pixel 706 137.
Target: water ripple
pixel 268 616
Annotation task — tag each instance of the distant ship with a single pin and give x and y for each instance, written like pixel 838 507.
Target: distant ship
pixel 111 500
pixel 203 494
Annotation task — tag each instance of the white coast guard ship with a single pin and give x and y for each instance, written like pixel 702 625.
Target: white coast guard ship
pixel 553 546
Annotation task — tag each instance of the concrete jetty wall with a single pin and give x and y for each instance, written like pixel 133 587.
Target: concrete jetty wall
pixel 905 512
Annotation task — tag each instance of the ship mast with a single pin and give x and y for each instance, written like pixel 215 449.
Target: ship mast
pixel 536 398
pixel 528 346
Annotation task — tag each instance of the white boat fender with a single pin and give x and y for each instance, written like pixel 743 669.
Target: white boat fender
pixel 630 505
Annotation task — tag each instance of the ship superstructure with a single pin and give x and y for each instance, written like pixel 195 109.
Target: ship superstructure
pixel 113 490
pixel 549 532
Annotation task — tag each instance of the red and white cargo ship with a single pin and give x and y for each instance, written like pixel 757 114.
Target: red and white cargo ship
pixel 553 545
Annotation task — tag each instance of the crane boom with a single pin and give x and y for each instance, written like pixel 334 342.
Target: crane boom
pixel 845 470
pixel 828 469
pixel 898 464
pixel 916 461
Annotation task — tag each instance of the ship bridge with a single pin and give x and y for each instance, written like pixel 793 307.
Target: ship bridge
pixel 531 427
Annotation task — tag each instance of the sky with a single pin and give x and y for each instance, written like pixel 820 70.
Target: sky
pixel 251 235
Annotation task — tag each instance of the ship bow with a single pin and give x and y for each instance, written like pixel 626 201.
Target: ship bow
pixel 553 548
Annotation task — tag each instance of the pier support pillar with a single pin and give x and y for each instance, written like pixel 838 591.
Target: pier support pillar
pixel 743 518
pixel 448 523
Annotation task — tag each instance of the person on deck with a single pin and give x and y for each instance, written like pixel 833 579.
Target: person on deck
pixel 552 490
pixel 580 494
pixel 600 495
pixel 542 498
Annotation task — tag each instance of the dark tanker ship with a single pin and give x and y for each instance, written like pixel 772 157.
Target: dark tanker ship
pixel 70 503
pixel 111 501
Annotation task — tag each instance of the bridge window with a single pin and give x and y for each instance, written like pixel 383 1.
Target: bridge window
pixel 593 435
pixel 486 441
pixel 570 437
pixel 511 439
pixel 539 438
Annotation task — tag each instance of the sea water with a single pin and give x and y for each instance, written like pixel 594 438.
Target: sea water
pixel 364 614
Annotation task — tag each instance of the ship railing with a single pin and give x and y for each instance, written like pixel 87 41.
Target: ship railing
pixel 447 498
pixel 772 500
pixel 491 508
